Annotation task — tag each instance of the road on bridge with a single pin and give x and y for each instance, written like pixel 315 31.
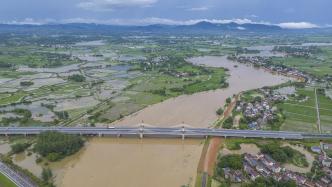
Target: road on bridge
pixel 164 132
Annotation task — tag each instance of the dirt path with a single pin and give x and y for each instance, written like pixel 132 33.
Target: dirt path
pixel 210 156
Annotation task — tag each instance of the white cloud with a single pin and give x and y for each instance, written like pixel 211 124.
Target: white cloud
pixel 241 28
pixel 203 8
pixel 297 25
pixel 156 20
pixel 30 21
pixel 107 5
pixel 253 16
pixel 165 21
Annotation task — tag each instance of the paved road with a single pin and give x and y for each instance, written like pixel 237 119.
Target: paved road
pixel 18 179
pixel 163 132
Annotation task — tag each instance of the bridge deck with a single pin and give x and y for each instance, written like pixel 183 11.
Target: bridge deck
pixel 163 132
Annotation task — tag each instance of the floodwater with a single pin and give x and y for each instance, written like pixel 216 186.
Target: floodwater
pixel 160 162
pixel 134 162
pixel 265 51
pixel 198 110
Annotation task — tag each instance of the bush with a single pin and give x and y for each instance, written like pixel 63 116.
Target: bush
pixel 26 83
pixel 47 175
pixel 77 78
pixel 53 157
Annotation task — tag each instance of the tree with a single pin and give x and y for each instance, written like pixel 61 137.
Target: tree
pixel 220 111
pixel 62 115
pixel 19 147
pixel 228 123
pixel 228 100
pixel 55 145
pixel 231 161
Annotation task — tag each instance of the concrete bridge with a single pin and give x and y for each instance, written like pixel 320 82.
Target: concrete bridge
pixel 155 132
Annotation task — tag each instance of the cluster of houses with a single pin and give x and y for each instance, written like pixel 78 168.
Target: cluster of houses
pixel 324 161
pixel 259 111
pixel 296 51
pixel 263 165
pixel 259 61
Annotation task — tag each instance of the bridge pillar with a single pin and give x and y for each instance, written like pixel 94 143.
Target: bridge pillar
pixel 141 130
pixel 183 130
pixel 119 135
pixel 100 134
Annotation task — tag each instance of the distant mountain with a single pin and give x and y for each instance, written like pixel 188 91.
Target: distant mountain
pixel 198 28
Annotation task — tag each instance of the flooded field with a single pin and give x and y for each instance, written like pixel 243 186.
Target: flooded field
pixel 133 162
pixel 198 110
pixel 265 51
pixel 169 163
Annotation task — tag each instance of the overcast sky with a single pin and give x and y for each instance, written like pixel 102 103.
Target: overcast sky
pixel 291 13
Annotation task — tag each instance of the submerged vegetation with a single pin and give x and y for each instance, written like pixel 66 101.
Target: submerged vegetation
pixel 55 146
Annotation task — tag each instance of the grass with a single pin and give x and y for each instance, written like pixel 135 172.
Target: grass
pixel 312 65
pixel 234 143
pixel 5 182
pixel 154 87
pixel 14 98
pixel 300 116
pixel 298 159
pixel 325 105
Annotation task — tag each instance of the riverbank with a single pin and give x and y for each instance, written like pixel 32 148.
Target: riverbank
pixel 164 162
pixel 184 109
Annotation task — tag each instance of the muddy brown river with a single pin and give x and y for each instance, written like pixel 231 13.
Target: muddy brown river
pixel 198 110
pixel 133 162
pixel 151 162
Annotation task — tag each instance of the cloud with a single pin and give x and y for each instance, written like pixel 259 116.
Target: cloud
pixel 155 20
pixel 241 28
pixel 297 25
pixel 165 21
pixel 253 16
pixel 108 5
pixel 30 21
pixel 203 8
